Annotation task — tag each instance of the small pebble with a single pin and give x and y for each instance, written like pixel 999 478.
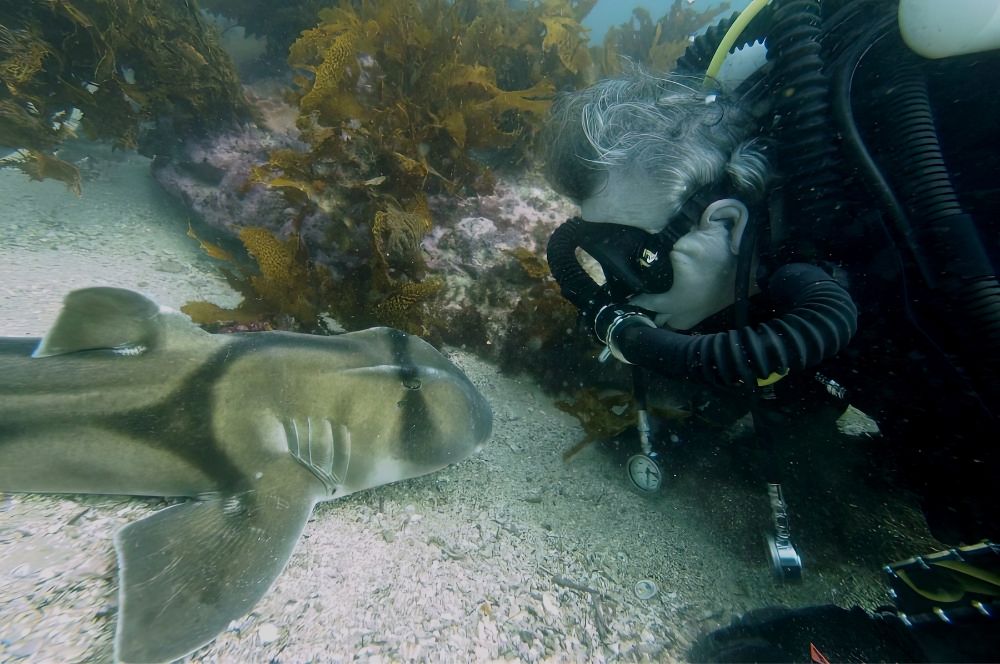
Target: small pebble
pixel 268 633
pixel 550 604
pixel 646 589
pixel 25 648
pixel 22 571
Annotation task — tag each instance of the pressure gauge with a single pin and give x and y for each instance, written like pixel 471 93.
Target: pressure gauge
pixel 645 472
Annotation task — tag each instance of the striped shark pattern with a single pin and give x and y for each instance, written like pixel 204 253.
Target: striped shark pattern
pixel 122 396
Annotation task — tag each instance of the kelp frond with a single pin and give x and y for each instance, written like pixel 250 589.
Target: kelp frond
pixel 654 44
pixel 284 284
pixel 143 73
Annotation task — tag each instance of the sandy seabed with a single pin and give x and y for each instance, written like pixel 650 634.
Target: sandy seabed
pixel 513 554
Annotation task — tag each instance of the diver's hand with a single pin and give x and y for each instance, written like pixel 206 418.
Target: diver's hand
pixel 704 278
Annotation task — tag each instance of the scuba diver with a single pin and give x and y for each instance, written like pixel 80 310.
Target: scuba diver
pixel 806 213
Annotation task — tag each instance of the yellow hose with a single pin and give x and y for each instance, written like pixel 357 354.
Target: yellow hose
pixel 732 35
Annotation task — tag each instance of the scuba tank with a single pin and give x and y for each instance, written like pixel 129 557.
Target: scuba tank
pixel 936 29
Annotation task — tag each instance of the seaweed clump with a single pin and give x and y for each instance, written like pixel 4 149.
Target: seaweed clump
pixel 603 416
pixel 654 44
pixel 402 99
pixel 286 290
pixel 139 73
pixel 606 415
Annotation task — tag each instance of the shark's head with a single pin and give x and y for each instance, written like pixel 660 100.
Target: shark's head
pixel 442 418
pixel 428 418
pixel 429 415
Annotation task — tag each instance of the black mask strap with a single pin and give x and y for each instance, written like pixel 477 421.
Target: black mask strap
pixel 689 216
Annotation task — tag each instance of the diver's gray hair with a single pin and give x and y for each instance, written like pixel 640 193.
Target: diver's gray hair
pixel 662 126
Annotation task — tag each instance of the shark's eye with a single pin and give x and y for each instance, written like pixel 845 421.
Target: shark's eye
pixel 411 383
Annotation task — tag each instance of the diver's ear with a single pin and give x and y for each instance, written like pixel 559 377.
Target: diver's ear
pixel 732 212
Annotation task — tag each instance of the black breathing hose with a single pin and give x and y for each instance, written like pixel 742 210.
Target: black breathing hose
pixel 702 48
pixel 948 247
pixel 700 51
pixel 941 240
pixel 943 233
pixel 807 146
pixel 820 320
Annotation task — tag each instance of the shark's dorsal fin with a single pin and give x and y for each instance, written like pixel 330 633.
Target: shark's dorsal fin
pixel 103 318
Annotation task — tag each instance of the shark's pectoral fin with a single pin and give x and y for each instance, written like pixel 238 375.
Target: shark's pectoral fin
pixel 187 571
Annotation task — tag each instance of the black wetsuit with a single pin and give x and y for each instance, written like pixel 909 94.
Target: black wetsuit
pixel 927 375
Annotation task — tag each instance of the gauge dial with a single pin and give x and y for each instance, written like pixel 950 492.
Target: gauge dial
pixel 645 473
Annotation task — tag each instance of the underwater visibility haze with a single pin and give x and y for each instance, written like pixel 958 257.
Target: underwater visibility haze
pixel 654 332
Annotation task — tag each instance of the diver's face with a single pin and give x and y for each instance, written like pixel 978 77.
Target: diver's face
pixel 704 269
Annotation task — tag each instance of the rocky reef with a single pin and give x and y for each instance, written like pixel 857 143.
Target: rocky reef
pixel 142 74
pixel 379 169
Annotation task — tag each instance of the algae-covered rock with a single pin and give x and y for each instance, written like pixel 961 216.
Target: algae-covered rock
pixel 139 73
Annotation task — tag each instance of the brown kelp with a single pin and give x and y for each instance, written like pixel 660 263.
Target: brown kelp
pixel 139 73
pixel 407 98
pixel 285 290
pixel 654 44
pixel 605 415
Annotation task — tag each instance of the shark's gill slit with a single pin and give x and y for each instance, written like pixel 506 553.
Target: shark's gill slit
pixel 292 436
pixel 309 438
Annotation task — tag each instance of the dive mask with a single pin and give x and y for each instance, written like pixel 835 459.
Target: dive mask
pixel 636 261
pixel 633 260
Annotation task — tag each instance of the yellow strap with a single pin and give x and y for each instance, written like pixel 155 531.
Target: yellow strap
pixel 770 380
pixel 955 580
pixel 953 593
pixel 987 578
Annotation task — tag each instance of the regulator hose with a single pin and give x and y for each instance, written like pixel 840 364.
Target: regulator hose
pixel 940 239
pixel 944 234
pixel 948 247
pixel 820 320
